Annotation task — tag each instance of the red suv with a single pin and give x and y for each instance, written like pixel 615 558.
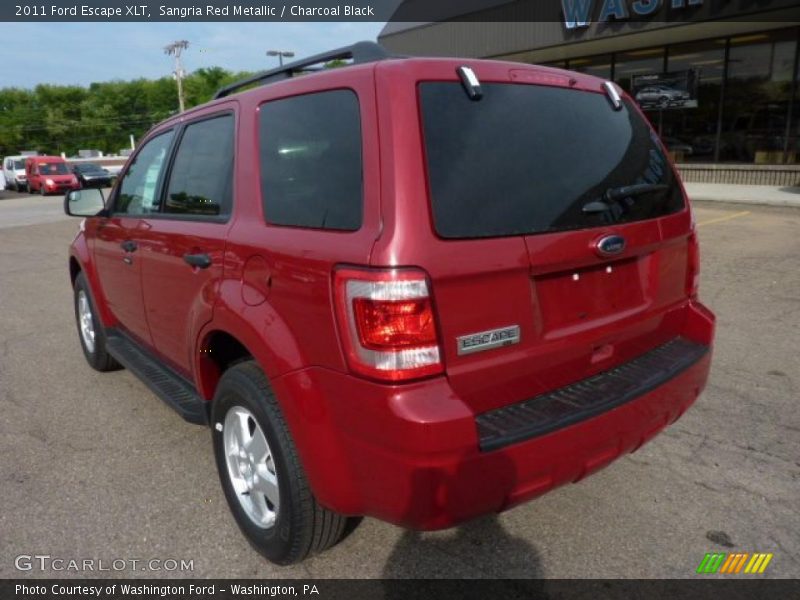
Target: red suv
pixel 416 289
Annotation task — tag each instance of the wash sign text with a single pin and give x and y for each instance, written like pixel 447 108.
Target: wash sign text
pixel 579 13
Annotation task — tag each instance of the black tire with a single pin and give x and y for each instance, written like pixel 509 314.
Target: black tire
pixel 302 527
pixel 98 358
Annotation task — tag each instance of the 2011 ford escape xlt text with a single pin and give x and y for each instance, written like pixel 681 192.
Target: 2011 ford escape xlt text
pixel 421 290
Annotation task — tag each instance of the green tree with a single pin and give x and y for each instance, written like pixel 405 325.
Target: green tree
pixel 55 118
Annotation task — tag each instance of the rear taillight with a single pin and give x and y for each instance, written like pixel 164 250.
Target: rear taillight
pixel 693 268
pixel 387 323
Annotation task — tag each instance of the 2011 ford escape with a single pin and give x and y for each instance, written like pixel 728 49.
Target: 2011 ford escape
pixel 417 289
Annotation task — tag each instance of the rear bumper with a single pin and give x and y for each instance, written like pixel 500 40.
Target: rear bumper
pixel 411 454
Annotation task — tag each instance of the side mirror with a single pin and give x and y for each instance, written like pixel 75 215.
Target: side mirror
pixel 84 203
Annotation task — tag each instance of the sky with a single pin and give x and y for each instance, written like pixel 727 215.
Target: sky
pixel 82 53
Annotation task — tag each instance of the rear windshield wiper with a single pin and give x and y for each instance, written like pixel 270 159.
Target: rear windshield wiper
pixel 614 195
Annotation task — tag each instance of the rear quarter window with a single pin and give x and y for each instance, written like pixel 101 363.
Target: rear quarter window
pixel 527 159
pixel 311 163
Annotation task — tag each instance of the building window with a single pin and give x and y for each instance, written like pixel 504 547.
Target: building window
pixel 691 133
pixel 599 66
pixel 757 97
pixel 638 62
pixel 793 141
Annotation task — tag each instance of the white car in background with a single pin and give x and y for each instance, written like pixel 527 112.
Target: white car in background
pixel 14 173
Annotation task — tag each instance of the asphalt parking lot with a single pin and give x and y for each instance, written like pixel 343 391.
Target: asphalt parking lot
pixel 94 466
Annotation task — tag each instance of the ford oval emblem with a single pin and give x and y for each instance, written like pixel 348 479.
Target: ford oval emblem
pixel 610 245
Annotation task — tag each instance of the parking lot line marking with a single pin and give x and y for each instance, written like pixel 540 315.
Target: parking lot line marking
pixel 725 218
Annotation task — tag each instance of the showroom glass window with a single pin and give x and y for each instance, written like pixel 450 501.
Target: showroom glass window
pixel 557 64
pixel 695 129
pixel 793 141
pixel 757 97
pixel 599 66
pixel 637 62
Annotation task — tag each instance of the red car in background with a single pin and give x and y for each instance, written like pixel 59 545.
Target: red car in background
pixel 49 175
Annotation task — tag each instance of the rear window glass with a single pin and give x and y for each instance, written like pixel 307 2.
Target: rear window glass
pixel 310 150
pixel 532 159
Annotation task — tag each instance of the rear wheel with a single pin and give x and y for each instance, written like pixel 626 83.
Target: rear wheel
pixel 90 330
pixel 264 483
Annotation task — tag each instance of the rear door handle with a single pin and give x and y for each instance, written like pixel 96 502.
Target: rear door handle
pixel 201 261
pixel 129 246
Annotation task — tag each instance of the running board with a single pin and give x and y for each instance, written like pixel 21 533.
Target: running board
pixel 174 390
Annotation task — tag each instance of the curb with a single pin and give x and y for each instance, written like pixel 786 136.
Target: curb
pixel 789 202
pixel 744 194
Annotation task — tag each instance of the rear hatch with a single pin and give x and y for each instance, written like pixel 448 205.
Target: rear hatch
pixel 572 230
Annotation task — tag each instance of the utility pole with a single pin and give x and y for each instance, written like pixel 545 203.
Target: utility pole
pixel 280 54
pixel 175 49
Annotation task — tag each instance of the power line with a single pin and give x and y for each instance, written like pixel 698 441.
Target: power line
pixel 79 124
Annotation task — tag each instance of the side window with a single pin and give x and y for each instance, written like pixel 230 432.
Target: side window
pixel 202 172
pixel 310 153
pixel 137 192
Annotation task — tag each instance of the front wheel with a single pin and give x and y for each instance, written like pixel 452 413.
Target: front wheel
pixel 264 483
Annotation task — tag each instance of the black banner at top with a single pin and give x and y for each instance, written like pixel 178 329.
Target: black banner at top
pixel 572 13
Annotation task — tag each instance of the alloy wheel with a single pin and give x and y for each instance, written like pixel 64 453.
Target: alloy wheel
pixel 251 467
pixel 85 321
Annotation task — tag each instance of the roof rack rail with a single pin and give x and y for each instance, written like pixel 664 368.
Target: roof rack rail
pixel 360 52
